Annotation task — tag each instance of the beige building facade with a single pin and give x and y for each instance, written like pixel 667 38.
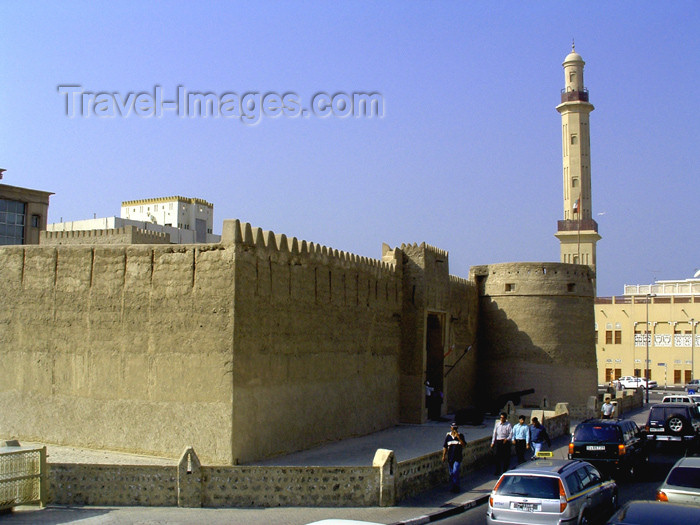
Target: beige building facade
pixel 661 317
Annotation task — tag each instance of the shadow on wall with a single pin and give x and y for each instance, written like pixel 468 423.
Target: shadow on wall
pixel 501 344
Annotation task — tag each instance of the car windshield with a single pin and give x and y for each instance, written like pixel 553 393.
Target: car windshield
pixel 531 486
pixel 596 433
pixel 685 477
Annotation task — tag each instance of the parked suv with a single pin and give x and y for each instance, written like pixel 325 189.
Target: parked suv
pixel 552 491
pixel 674 423
pixel 693 385
pixel 677 398
pixel 615 446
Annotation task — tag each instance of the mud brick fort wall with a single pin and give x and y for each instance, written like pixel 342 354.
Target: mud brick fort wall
pixel 536 330
pixel 263 345
pixel 124 348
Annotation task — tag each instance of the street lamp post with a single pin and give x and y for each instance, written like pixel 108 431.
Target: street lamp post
pixel 648 334
pixel 692 348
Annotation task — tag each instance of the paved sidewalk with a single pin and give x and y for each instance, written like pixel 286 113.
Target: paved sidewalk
pixel 407 441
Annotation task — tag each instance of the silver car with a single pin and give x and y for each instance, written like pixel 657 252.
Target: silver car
pixel 682 485
pixel 552 491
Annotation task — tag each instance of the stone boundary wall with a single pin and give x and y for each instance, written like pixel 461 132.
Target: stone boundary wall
pixel 124 235
pixel 250 486
pixel 137 485
pixel 426 472
pixel 189 484
pixel 219 486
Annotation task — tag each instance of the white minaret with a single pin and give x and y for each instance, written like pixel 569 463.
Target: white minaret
pixel 578 232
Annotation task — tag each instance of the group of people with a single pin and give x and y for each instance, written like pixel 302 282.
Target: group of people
pixel 522 435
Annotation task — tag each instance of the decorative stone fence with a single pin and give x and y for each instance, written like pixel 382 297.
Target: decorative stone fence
pixel 22 475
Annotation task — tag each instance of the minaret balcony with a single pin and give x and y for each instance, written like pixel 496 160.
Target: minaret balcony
pixel 572 225
pixel 573 96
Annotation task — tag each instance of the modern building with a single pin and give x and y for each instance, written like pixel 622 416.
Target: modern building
pixel 177 212
pixel 578 232
pixel 23 214
pixel 653 323
pixel 186 220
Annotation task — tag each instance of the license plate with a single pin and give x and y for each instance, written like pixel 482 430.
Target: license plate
pixel 668 438
pixel 595 447
pixel 656 430
pixel 527 507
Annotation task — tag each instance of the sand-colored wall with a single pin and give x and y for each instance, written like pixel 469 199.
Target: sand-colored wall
pixel 124 348
pixel 316 341
pixel 536 330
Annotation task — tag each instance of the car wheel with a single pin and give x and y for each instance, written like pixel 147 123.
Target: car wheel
pixel 585 520
pixel 676 424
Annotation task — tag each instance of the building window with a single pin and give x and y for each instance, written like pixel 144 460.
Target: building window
pixel 608 337
pixel 571 287
pixel 36 221
pixel 510 287
pixel 596 337
pixel 574 140
pixel 618 337
pixel 11 222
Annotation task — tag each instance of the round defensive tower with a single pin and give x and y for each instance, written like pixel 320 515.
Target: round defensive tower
pixel 537 331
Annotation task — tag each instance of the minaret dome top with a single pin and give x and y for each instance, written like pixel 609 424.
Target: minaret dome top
pixel 573 56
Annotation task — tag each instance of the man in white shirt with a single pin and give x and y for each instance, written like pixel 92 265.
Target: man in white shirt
pixel 502 437
pixel 608 409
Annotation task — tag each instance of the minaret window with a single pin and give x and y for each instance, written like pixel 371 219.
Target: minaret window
pixel 574 139
pixel 572 77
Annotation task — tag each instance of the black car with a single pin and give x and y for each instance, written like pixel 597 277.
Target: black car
pixel 674 423
pixel 655 513
pixel 615 446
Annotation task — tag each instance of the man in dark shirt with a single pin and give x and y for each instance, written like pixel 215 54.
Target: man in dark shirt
pixel 452 454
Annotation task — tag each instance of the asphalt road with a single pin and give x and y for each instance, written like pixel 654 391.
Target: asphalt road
pixel 642 488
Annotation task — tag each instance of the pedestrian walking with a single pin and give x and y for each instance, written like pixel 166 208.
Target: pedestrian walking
pixel 521 438
pixel 608 409
pixel 538 437
pixel 502 436
pixel 452 454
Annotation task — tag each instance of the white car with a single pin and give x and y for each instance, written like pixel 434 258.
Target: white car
pixel 635 382
pixel 678 399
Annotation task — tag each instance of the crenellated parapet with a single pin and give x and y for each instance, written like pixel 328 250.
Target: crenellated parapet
pixel 459 281
pixel 236 232
pixel 425 247
pixel 123 235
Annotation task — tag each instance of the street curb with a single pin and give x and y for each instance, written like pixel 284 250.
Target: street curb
pixel 442 514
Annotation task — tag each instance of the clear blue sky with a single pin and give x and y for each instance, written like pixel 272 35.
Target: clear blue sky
pixel 467 156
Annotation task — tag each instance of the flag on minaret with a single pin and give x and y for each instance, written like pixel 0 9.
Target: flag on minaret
pixel 576 205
